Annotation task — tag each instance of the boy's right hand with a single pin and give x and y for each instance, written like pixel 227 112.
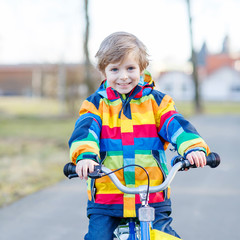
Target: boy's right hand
pixel 84 167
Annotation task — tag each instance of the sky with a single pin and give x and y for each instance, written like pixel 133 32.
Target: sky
pixel 51 31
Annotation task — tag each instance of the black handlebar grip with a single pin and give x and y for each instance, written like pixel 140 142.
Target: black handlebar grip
pixel 69 170
pixel 213 160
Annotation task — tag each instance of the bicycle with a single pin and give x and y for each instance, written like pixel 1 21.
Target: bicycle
pixel 143 230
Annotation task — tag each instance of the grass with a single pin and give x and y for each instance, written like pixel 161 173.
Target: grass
pixel 222 108
pixel 33 143
pixel 32 155
pixel 33 147
pixel 216 108
pixel 23 106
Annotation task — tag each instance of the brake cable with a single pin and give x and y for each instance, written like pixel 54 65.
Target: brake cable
pixel 133 165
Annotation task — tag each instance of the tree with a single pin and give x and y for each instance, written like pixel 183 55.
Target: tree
pixel 197 102
pixel 87 63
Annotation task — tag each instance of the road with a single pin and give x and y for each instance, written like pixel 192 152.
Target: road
pixel 205 201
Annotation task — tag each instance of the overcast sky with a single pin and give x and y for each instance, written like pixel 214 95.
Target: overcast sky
pixel 51 30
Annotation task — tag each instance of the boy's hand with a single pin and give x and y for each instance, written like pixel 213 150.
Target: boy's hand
pixel 84 167
pixel 198 158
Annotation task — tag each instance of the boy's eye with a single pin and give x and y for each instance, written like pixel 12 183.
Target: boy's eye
pixel 114 69
pixel 131 68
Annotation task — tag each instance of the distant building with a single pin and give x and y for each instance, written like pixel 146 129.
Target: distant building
pixel 42 80
pixel 177 84
pixel 219 77
pixel 222 85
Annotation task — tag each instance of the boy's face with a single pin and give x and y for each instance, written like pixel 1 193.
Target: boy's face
pixel 123 76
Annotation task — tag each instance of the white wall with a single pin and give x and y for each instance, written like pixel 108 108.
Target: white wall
pixel 222 85
pixel 177 84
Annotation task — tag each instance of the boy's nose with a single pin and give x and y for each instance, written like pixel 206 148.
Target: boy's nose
pixel 123 75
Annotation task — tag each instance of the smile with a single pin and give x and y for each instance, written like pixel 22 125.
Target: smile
pixel 124 84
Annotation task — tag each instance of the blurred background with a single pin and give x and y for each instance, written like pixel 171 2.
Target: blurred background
pixel 47 67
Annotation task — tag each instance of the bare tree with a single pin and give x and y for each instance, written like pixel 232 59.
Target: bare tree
pixel 86 34
pixel 197 102
pixel 87 63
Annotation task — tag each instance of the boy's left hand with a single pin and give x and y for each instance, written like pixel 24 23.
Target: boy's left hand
pixel 197 157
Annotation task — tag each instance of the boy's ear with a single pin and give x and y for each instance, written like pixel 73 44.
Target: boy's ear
pixel 104 74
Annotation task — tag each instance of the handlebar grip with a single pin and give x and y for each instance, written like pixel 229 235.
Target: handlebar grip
pixel 69 170
pixel 213 160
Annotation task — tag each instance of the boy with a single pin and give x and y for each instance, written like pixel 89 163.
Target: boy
pixel 126 122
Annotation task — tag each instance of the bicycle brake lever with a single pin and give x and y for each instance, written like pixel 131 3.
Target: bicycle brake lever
pixel 74 175
pixel 97 172
pixel 185 163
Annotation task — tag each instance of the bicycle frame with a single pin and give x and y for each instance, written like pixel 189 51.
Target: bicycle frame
pixel 131 229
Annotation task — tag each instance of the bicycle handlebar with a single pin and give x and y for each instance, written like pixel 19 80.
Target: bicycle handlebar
pixel 213 160
pixel 179 163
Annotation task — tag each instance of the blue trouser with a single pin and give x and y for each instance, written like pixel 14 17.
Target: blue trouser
pixel 101 227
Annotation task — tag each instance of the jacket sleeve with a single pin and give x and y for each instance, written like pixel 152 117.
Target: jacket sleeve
pixel 175 129
pixel 84 142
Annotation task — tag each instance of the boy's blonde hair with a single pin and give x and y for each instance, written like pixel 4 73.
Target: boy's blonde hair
pixel 117 46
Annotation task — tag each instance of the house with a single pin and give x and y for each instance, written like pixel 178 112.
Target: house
pixel 222 85
pixel 42 80
pixel 177 84
pixel 219 77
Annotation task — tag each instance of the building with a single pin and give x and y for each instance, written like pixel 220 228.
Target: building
pixel 42 80
pixel 219 77
pixel 177 84
pixel 221 85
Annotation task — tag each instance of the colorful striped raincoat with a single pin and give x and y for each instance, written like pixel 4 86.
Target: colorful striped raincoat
pixel 136 128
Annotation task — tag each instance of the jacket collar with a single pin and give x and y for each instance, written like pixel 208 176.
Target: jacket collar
pixel 144 87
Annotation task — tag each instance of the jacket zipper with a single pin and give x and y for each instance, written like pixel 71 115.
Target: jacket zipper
pixel 93 188
pixel 163 173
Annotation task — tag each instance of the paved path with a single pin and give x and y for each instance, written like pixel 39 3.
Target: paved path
pixel 206 202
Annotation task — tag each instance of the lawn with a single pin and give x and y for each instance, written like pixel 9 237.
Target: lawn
pixel 34 143
pixel 216 108
pixel 33 146
pixel 32 155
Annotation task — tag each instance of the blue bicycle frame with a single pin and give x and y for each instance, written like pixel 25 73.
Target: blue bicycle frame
pixel 145 235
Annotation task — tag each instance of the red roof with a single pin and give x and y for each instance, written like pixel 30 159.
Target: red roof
pixel 214 62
